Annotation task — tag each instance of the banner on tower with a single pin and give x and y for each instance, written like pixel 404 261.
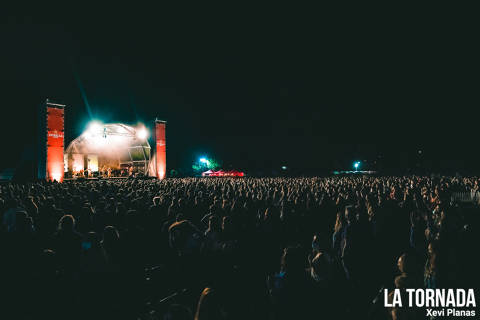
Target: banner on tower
pixel 52 164
pixel 160 149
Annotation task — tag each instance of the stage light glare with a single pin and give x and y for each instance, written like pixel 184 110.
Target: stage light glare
pixel 56 176
pixel 98 141
pixel 94 127
pixel 142 133
pixel 204 160
pixel 284 168
pixel 356 164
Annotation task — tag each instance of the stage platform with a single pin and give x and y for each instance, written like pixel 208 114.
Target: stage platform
pixel 95 179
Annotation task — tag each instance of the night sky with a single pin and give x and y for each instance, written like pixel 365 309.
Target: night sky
pixel 255 88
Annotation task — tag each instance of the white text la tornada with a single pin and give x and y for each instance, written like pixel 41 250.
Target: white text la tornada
pixel 434 298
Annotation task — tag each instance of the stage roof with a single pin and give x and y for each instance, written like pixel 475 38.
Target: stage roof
pixel 112 139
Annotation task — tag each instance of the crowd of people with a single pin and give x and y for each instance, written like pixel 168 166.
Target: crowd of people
pixel 232 248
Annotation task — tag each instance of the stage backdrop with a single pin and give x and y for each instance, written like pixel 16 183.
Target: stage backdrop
pixel 92 162
pixel 160 149
pixel 51 161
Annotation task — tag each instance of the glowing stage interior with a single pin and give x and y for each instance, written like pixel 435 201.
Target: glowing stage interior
pixel 109 150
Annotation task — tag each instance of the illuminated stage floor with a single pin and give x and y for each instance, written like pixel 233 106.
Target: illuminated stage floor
pixel 95 178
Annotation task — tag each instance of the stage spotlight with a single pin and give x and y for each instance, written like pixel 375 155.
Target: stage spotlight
pixel 204 160
pixel 142 133
pixel 94 127
pixel 284 167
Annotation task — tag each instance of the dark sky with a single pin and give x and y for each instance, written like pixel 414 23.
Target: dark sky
pixel 256 88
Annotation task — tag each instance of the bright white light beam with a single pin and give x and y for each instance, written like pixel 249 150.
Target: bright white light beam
pixel 142 133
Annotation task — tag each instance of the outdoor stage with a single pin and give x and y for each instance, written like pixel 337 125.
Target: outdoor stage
pixel 113 150
pixel 96 179
pixel 81 179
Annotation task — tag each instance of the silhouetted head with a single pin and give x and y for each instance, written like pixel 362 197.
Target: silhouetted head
pixel 293 260
pixel 209 306
pixel 407 263
pixel 184 237
pixel 110 235
pixel 321 267
pixel 66 223
pixel 350 215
